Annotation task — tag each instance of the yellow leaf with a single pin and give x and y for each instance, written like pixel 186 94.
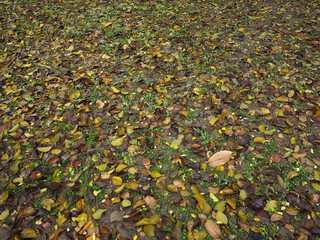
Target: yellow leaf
pixel 213 120
pixel 271 205
pixel 4 215
pixel 175 143
pixel 71 48
pixel 316 186
pixel 106 24
pixel 282 99
pixel 120 167
pixel 196 91
pixel 61 219
pixel 44 149
pixel 114 89
pixel 98 213
pixel 153 220
pixel 263 111
pixel 155 174
pixel 221 218
pixel 29 233
pixel 126 203
pixel 102 167
pixel 4 196
pixel 15 128
pixel 118 142
pixel 243 195
pixel 201 200
pixel 119 189
pixel 5 156
pixel 105 56
pixel 56 151
pixel 117 180
pixel 259 139
pixel 17 154
pixel 132 185
pixel 292 174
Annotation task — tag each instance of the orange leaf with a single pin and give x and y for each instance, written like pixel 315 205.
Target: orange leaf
pixel 55 234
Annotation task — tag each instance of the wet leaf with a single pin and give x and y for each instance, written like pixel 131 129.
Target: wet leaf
pixel 219 158
pixel 212 228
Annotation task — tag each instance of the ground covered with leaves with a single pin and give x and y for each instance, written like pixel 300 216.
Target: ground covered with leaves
pixel 159 119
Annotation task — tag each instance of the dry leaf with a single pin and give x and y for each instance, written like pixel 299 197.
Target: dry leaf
pixel 213 229
pixel 151 202
pixel 219 158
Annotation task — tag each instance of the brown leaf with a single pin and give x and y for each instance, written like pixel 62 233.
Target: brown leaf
pixel 219 158
pixel 213 229
pixel 151 202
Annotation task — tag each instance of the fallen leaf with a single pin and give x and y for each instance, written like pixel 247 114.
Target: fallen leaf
pixel 29 233
pixel 151 202
pixel 221 218
pixel 117 180
pixel 219 158
pixel 212 228
pixel 117 142
pixel 44 149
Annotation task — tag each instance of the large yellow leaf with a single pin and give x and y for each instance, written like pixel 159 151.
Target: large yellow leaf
pixel 221 218
pixel 117 142
pixel 201 200
pixel 117 180
pixel 44 149
pixel 98 213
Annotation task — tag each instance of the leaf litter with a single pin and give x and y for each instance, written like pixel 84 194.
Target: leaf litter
pixel 159 120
